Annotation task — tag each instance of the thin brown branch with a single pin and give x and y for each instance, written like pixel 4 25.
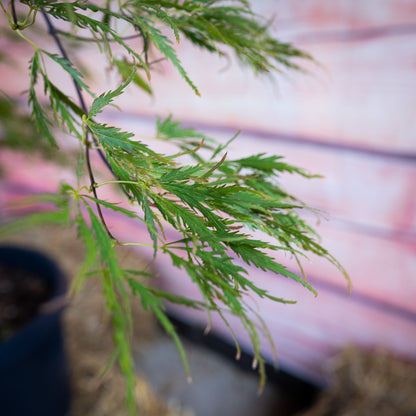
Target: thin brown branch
pixel 87 140
pixel 93 184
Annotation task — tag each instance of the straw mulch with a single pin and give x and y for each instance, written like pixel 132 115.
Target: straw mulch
pixel 368 383
pixel 96 389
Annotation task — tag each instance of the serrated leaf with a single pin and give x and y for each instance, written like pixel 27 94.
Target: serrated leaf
pixel 69 68
pixel 62 105
pixel 125 70
pixel 91 254
pixel 39 116
pixel 106 98
pixel 111 136
pixel 151 301
pixel 249 252
pixel 164 45
pixel 269 164
pixel 172 129
pixel 61 98
pixel 151 221
pixel 170 329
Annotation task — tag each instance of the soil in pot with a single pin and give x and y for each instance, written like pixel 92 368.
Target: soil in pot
pixel 22 294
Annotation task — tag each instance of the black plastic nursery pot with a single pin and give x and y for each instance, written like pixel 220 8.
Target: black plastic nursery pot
pixel 33 369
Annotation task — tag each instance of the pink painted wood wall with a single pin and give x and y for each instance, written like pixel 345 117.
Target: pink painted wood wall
pixel 351 119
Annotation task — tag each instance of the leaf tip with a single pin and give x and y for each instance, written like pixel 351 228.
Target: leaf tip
pixel 260 389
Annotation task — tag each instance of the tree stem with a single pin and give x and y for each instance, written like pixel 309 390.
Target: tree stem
pixel 87 140
pixel 14 14
pixel 53 33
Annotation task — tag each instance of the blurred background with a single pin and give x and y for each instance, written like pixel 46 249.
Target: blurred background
pixel 351 117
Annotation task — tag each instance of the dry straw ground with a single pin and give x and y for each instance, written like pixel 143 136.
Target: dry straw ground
pixel 368 383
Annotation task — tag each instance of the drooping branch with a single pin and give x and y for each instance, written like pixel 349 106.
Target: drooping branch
pixel 87 141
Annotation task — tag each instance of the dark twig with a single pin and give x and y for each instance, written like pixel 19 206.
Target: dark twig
pixel 53 33
pixel 14 14
pixel 93 183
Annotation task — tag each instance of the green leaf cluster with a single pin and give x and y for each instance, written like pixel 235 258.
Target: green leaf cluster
pixel 66 112
pixel 215 217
